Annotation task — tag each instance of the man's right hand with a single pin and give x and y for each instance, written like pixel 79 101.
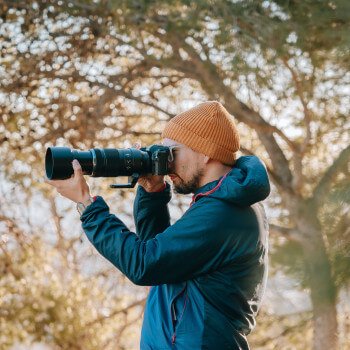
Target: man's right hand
pixel 150 183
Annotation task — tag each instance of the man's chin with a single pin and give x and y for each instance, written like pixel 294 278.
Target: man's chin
pixel 182 188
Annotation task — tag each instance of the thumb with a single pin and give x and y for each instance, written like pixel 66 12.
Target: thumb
pixel 77 167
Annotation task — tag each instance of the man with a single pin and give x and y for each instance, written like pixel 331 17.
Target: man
pixel 209 269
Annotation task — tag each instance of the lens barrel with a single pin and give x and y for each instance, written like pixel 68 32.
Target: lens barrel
pixel 97 162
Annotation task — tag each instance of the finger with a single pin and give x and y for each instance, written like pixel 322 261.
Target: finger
pixel 136 145
pixel 77 168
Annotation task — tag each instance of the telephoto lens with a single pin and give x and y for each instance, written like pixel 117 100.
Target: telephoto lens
pixel 58 162
pixel 106 162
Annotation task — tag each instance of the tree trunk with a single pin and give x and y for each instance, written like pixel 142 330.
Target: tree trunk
pixel 323 290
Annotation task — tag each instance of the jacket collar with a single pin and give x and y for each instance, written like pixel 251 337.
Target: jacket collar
pixel 208 188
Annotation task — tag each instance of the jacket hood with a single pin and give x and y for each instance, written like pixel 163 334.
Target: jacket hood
pixel 247 183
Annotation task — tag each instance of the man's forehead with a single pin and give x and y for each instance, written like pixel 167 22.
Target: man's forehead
pixel 169 142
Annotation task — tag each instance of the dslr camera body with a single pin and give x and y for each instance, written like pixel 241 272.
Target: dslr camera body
pixel 108 162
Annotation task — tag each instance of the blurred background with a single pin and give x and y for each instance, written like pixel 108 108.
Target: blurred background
pixel 105 73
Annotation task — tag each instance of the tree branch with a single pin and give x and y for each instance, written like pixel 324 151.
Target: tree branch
pixel 254 119
pixel 246 151
pixel 8 261
pixel 273 176
pixel 325 183
pixel 57 221
pixel 307 115
pixel 124 310
pixel 141 133
pixel 139 100
pixel 112 91
pixel 298 154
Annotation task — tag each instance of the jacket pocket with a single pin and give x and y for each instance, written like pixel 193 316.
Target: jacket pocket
pixel 177 309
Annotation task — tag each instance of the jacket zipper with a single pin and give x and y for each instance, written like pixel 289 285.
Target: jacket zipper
pixel 173 313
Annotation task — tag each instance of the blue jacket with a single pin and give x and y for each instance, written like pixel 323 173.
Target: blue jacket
pixel 208 270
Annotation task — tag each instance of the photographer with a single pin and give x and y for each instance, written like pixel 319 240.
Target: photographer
pixel 209 269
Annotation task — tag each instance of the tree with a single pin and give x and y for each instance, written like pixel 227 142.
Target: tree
pixel 126 67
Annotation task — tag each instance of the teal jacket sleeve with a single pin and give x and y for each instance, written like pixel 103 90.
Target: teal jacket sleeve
pixel 193 246
pixel 151 212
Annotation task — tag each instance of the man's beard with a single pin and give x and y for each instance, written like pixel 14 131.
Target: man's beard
pixel 191 186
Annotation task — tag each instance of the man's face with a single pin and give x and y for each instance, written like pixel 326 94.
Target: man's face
pixel 187 168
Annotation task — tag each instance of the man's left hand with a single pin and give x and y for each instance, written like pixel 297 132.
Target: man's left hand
pixel 76 188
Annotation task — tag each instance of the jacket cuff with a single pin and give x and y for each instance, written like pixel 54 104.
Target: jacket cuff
pixel 97 206
pixel 163 193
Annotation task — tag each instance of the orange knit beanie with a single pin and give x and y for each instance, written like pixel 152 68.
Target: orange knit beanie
pixel 207 128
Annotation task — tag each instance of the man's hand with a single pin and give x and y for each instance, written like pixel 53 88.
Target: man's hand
pixel 150 183
pixel 76 188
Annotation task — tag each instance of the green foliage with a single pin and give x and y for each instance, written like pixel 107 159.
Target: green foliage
pixel 41 300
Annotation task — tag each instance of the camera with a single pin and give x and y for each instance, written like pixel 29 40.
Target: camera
pixel 108 162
